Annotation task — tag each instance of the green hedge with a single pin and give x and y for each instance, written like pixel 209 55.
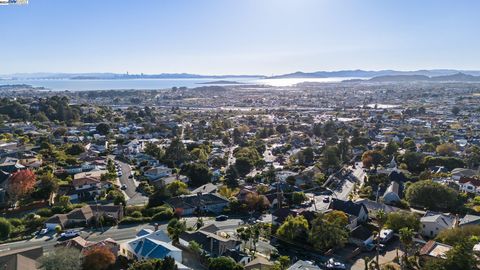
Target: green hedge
pixel 131 220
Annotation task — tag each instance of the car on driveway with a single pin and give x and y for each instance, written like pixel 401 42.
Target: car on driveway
pixel 124 187
pixel 326 199
pixel 332 264
pixel 221 218
pixel 69 234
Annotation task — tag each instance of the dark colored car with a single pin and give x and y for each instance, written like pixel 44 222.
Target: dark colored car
pixel 221 218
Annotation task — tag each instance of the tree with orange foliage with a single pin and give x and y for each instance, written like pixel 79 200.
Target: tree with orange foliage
pixel 20 184
pixel 98 258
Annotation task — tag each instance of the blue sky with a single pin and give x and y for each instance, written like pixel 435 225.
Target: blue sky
pixel 238 36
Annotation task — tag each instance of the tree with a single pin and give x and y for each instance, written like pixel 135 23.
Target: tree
pixel 154 151
pixel 461 256
pixel 298 197
pixel 328 231
pixel 195 247
pixel 257 202
pixel 98 258
pixel 293 229
pixel 5 228
pixel 61 259
pixel 103 128
pixel 372 158
pixel 446 149
pixel 391 149
pixel 198 173
pixel 177 188
pixel 431 195
pixel 414 161
pixel 330 158
pixel 75 149
pixel 398 220
pixel 168 263
pixel 456 235
pixel 48 185
pixel 455 110
pixel 20 184
pixel 175 228
pixel 406 238
pixel 176 153
pixel 223 263
pixel 282 263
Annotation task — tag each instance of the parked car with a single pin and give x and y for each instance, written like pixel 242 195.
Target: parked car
pixel 332 264
pixel 43 231
pixel 123 187
pixel 69 234
pixel 385 235
pixel 221 218
pixel 326 199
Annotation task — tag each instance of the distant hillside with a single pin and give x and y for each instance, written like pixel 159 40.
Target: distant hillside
pixel 114 76
pixel 220 82
pixel 370 74
pixel 457 77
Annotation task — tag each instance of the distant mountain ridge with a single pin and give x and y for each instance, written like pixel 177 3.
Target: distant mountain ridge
pixel 457 77
pixel 370 74
pixel 116 76
pixel 378 75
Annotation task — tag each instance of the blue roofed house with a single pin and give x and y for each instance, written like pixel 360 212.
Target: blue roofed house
pixel 151 245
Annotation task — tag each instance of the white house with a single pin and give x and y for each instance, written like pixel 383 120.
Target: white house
pixel 469 185
pixel 433 223
pixel 157 172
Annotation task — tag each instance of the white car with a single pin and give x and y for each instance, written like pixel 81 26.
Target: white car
pixel 43 231
pixel 332 264
pixel 69 234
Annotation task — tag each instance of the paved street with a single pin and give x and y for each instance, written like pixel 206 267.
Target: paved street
pixel 120 233
pixel 134 197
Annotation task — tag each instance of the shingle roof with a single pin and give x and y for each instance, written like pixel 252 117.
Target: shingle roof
pixel 348 207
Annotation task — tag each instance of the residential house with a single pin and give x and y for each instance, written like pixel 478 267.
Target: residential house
pixel 303 265
pixel 433 250
pixel 358 211
pixel 391 195
pixel 469 220
pixel 189 204
pixel 151 245
pixel 213 241
pixel 83 245
pixel 362 237
pixel 85 216
pixel 433 223
pixel 21 259
pixel 238 256
pixel 10 164
pixel 458 173
pixel 259 263
pixel 158 172
pixel 469 185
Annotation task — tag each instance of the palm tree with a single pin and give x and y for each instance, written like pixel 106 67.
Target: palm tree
pixel 406 238
pixel 175 228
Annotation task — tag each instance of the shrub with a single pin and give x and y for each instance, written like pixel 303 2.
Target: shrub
pixel 164 215
pixel 154 210
pixel 15 222
pixel 5 228
pixel 132 220
pixel 136 214
pixel 44 212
